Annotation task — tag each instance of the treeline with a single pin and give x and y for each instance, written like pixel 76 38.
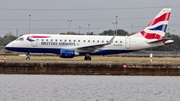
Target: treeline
pixel 120 32
pixel 6 39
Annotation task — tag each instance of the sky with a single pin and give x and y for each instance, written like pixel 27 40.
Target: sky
pixel 60 16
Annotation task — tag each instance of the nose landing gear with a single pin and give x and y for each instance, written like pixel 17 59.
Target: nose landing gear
pixel 28 56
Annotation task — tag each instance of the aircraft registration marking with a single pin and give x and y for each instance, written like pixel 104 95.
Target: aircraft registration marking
pixel 118 45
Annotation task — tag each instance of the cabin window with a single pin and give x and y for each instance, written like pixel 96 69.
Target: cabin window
pixel 116 41
pixel 60 40
pixel 51 39
pixel 84 40
pixel 46 39
pixel 97 40
pixel 56 40
pixel 78 40
pixel 42 39
pixel 69 40
pixel 93 41
pixel 74 40
pixel 120 41
pixel 107 41
pixel 64 40
pixel 88 40
pixel 102 41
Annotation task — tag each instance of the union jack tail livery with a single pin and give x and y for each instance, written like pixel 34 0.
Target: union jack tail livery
pixel 157 27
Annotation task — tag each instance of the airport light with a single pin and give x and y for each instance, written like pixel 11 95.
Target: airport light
pixel 79 29
pixel 116 24
pixel 88 28
pixel 69 26
pixel 29 22
pixel 131 28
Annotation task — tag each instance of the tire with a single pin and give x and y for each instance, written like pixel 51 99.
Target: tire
pixel 28 58
pixel 87 58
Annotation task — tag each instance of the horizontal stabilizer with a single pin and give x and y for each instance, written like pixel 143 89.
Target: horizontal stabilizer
pixel 156 40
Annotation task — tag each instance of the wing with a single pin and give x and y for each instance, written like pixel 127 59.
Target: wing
pixel 92 48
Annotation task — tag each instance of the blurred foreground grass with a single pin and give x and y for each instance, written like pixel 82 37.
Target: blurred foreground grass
pixel 94 59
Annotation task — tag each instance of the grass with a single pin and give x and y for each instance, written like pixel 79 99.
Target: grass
pixel 94 59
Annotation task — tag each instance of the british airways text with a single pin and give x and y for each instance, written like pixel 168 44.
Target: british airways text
pixel 59 43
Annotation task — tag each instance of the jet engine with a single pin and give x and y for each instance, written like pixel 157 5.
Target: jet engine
pixel 67 53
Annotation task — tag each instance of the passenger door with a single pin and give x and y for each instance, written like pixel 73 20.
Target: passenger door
pixel 128 42
pixel 34 43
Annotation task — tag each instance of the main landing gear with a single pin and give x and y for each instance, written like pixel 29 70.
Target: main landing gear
pixel 87 57
pixel 28 56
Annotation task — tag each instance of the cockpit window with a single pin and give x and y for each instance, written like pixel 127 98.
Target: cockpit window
pixel 21 39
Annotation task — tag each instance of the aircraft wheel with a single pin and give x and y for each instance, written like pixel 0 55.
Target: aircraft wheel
pixel 87 58
pixel 27 58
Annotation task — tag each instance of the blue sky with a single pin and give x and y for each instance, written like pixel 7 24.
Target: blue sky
pixel 51 16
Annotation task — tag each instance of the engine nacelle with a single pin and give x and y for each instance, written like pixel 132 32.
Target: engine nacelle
pixel 67 53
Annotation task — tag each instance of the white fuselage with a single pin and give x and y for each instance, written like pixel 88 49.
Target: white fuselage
pixel 50 44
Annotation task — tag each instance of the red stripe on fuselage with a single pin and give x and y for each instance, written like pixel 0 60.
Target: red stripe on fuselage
pixel 164 17
pixel 39 36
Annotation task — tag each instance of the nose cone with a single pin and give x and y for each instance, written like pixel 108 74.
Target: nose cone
pixel 9 46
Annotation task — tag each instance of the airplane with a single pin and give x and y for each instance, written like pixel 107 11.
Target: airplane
pixel 69 46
